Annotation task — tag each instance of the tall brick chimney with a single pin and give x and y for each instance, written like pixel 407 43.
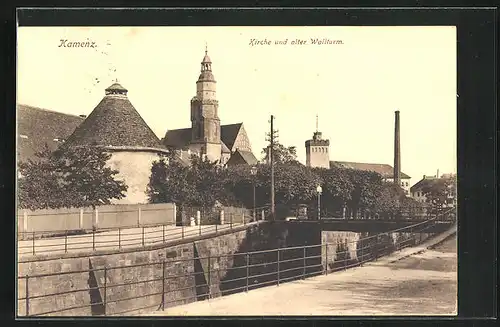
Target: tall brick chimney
pixel 397 151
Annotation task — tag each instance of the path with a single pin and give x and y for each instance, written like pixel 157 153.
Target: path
pixel 113 240
pixel 423 283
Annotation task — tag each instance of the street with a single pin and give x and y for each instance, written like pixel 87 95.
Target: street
pixel 113 240
pixel 424 283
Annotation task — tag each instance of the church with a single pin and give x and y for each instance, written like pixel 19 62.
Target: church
pixel 225 144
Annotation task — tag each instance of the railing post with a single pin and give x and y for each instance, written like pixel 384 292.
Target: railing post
pixel 278 267
pixel 163 233
pixel 362 255
pixel 27 296
pixel 93 238
pixel 105 288
pixel 304 264
pixel 143 236
pixel 139 218
pixel 33 243
pixel 209 279
pixel 326 258
pixel 231 221
pixel 248 270
pixel 119 238
pixel 345 257
pixel 66 241
pixel 163 285
pixel 182 227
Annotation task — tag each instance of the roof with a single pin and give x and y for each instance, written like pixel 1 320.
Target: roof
pixel 37 127
pixel 177 138
pixel 180 138
pixel 206 59
pixel 427 181
pixel 114 122
pixel 240 157
pixel 228 133
pixel 224 148
pixel 387 171
pixel 117 87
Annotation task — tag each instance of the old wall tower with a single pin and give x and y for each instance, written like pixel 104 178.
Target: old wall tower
pixel 205 122
pixel 317 150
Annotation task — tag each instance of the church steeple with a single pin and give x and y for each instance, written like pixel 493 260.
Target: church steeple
pixel 205 123
pixel 206 64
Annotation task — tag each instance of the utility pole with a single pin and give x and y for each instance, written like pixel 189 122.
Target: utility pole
pixel 271 160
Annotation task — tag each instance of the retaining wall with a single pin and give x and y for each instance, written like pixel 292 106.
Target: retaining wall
pixel 228 274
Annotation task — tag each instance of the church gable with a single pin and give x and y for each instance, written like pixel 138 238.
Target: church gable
pixel 242 141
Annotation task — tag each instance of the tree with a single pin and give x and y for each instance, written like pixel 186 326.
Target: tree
pixel 388 203
pixel 69 177
pixel 281 154
pixel 440 193
pixel 196 185
pixel 367 186
pixel 337 188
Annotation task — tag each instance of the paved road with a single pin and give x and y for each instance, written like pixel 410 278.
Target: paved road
pixel 128 238
pixel 422 284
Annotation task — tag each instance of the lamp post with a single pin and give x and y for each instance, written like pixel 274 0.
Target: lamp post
pixel 253 171
pixel 319 190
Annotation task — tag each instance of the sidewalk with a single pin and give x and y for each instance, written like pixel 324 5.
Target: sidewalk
pixel 392 285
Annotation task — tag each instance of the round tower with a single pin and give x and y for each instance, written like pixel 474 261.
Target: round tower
pixel 116 126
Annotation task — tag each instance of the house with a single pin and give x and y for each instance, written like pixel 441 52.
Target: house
pixel 417 190
pixel 385 170
pixel 37 128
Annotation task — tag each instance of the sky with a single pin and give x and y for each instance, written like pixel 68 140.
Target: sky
pixel 354 87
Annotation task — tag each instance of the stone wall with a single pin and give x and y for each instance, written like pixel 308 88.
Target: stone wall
pixel 129 275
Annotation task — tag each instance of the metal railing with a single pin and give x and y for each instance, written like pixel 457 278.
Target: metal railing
pixel 249 270
pixel 120 238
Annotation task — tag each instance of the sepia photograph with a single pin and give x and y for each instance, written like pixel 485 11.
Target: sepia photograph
pixel 236 171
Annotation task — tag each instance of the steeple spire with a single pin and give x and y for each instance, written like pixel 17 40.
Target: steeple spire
pixel 206 48
pixel 316 122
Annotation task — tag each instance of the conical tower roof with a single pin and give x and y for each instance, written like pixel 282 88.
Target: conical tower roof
pixel 114 123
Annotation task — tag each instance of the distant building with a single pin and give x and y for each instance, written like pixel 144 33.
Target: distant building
pixel 317 150
pixel 37 128
pixel 318 155
pixel 206 137
pixel 386 171
pixel 417 190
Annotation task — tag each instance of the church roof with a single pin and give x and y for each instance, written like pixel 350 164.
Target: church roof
pixel 387 171
pixel 38 127
pixel 228 133
pixel 177 138
pixel 224 148
pixel 114 122
pixel 206 59
pixel 180 138
pixel 240 157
